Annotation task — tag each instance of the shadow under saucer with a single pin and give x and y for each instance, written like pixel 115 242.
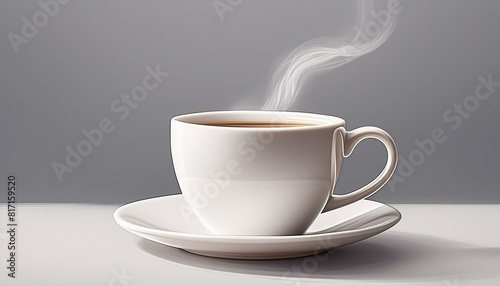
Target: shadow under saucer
pixel 396 257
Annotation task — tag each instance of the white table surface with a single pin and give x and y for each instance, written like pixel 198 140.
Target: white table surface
pixel 78 244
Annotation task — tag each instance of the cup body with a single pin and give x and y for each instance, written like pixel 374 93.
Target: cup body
pixel 255 180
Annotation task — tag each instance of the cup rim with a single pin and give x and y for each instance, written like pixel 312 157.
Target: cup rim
pixel 317 121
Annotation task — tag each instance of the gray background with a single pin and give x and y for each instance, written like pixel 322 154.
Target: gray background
pixel 65 78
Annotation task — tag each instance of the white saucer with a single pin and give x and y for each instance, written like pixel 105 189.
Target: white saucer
pixel 165 220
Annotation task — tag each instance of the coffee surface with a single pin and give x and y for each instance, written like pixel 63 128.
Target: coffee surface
pixel 251 124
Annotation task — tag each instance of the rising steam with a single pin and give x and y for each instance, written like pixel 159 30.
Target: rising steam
pixel 371 30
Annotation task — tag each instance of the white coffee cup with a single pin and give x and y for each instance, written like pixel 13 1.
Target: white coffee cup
pixel 262 180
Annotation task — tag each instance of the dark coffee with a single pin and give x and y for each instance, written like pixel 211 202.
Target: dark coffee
pixel 251 124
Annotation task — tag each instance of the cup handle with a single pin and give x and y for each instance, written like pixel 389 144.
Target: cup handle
pixel 344 143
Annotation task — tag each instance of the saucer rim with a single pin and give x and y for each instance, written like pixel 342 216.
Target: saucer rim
pixel 117 215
